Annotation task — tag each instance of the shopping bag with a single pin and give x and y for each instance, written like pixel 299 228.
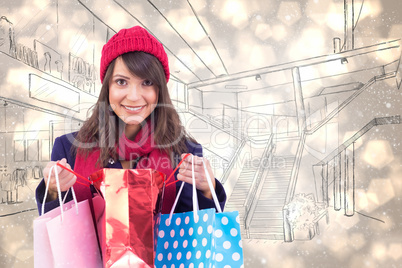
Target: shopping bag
pixel 199 238
pixel 66 237
pixel 133 200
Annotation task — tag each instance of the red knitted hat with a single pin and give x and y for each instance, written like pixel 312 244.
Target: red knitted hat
pixel 132 39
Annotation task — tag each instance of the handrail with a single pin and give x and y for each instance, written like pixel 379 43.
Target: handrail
pixel 288 236
pixel 295 169
pixel 350 99
pixel 214 123
pixel 375 122
pixel 236 154
pixel 251 196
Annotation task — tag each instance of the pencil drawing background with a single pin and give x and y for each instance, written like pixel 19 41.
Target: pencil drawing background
pixel 295 102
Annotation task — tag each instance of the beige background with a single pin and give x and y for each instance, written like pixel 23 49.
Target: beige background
pixel 298 82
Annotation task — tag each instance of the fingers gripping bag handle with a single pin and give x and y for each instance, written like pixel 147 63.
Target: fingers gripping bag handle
pixel 61 202
pixel 195 199
pixel 211 188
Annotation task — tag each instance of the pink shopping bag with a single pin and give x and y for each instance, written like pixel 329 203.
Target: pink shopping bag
pixel 66 237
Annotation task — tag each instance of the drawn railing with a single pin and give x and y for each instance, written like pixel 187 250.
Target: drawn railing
pixel 256 186
pixel 215 124
pixel 352 97
pixel 288 237
pixel 339 157
pixel 232 161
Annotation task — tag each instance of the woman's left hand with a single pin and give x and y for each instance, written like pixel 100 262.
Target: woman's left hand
pixel 185 174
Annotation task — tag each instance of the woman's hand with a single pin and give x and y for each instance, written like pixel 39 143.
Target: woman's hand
pixel 66 178
pixel 185 174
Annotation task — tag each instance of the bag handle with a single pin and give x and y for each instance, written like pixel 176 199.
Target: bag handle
pixel 211 188
pixel 195 199
pixel 61 202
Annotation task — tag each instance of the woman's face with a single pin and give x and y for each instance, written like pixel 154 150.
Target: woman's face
pixel 133 99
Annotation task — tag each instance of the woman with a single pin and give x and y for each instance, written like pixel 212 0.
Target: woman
pixel 133 125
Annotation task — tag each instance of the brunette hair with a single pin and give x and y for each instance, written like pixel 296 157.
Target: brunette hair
pixel 103 128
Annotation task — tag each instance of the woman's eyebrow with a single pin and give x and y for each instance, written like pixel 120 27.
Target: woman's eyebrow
pixel 121 76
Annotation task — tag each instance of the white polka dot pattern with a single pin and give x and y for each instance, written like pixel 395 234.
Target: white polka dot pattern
pixel 212 241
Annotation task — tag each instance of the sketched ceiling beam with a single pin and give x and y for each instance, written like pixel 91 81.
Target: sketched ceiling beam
pixel 206 33
pixel 96 16
pixel 182 38
pixel 394 44
pixel 139 22
pixel 188 68
pixel 37 108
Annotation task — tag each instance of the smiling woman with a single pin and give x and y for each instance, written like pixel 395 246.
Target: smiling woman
pixel 132 98
pixel 133 125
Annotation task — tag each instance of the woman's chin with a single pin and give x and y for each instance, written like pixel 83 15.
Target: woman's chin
pixel 134 120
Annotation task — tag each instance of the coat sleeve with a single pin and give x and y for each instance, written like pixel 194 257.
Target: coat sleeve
pixel 185 202
pixel 61 149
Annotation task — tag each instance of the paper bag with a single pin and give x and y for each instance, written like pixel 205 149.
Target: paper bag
pixel 199 238
pixel 65 236
pixel 132 204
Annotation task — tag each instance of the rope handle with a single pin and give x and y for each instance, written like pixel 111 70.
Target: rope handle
pixel 61 201
pixel 177 167
pixel 78 175
pixel 92 181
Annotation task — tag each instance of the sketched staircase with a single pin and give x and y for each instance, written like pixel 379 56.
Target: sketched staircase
pixel 267 219
pixel 241 189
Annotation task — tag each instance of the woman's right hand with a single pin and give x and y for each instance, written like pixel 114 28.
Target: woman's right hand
pixel 66 178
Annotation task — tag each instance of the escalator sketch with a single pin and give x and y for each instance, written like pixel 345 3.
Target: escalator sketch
pixel 296 105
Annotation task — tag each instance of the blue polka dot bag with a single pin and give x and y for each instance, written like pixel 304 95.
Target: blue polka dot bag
pixel 199 238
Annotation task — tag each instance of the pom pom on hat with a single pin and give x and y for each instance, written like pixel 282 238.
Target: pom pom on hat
pixel 129 40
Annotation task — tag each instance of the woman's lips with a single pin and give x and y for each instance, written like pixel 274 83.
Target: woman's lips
pixel 133 109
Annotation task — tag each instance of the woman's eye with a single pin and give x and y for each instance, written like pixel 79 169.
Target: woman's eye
pixel 121 82
pixel 147 83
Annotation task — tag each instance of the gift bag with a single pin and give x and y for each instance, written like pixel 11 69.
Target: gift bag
pixel 66 237
pixel 199 238
pixel 132 204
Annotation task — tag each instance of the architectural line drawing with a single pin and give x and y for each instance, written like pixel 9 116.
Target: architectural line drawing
pixel 296 104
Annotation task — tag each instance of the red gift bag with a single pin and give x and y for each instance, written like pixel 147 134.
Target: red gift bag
pixel 133 199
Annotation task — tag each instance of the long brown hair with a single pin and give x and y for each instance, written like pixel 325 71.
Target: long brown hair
pixel 103 128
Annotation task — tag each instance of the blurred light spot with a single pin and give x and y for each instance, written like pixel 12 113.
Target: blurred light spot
pixel 395 32
pixel 382 189
pixel 199 5
pixel 188 26
pixel 263 31
pixel 378 153
pixel 279 32
pixel 379 251
pixel 236 12
pixel 312 39
pixel 371 9
pixel 384 55
pixel 357 240
pixel 317 11
pixel 289 12
pixel 335 17
pixel 257 51
pixel 395 251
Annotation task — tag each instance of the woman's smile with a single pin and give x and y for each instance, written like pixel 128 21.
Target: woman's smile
pixel 133 109
pixel 132 98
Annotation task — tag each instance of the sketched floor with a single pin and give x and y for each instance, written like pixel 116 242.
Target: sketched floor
pixel 357 241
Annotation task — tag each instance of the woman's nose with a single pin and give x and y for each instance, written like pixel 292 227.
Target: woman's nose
pixel 133 93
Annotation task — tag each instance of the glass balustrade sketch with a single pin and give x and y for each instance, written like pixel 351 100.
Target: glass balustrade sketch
pixel 296 104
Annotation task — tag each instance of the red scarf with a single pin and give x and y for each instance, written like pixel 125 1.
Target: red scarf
pixel 143 148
